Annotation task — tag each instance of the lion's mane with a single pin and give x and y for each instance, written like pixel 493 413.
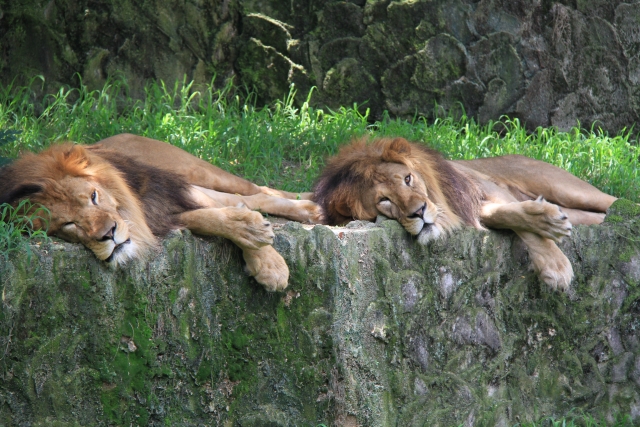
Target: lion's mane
pixel 354 169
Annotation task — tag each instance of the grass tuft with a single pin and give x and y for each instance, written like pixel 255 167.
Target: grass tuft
pixel 16 227
pixel 285 145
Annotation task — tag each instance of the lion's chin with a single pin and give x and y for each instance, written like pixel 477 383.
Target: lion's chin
pixel 122 253
pixel 428 233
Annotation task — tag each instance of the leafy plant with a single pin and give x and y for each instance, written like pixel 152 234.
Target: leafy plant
pixel 17 226
pixel 579 420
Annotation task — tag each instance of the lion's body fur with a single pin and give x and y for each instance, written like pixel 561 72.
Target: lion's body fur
pixel 365 179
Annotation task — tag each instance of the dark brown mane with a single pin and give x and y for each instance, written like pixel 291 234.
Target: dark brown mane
pixel 347 175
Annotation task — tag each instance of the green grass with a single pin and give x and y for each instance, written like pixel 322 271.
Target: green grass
pixel 285 146
pixel 16 227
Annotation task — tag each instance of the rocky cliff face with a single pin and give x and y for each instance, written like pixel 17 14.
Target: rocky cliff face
pixel 64 40
pixel 547 63
pixel 373 330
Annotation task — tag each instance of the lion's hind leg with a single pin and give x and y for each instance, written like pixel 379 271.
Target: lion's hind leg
pixel 580 217
pixel 286 194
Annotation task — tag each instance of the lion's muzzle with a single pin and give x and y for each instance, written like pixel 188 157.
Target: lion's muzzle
pixel 117 249
pixel 428 226
pixel 420 212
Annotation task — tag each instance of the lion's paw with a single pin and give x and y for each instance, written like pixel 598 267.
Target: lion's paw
pixel 547 219
pixel 249 228
pixel 268 267
pixel 556 271
pixel 312 211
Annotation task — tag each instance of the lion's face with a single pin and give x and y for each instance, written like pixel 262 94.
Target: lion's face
pixel 89 200
pixel 84 212
pixel 401 193
pixel 412 184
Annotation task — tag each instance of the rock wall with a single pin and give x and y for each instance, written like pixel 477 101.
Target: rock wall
pixel 374 330
pixel 94 40
pixel 547 63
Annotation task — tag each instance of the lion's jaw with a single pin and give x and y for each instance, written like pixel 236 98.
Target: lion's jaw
pixel 83 212
pixel 402 196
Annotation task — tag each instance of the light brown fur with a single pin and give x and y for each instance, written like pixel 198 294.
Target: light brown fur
pixel 431 196
pixel 119 196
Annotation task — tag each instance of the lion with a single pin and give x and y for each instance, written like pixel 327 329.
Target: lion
pixel 121 195
pixel 431 196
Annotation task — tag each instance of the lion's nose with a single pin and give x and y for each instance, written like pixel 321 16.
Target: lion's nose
pixel 109 234
pixel 420 212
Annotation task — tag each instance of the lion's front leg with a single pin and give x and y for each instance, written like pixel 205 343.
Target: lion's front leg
pixel 251 232
pixel 552 266
pixel 268 267
pixel 302 210
pixel 245 228
pixel 536 216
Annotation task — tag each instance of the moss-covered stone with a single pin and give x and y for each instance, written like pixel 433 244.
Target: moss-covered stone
pixel 264 70
pixel 348 83
pixel 621 210
pixel 374 329
pixel 161 40
pixel 340 19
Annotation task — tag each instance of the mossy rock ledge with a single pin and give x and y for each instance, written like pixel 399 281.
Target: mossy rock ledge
pixel 374 330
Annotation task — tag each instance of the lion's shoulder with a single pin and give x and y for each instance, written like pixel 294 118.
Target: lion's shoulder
pixel 161 194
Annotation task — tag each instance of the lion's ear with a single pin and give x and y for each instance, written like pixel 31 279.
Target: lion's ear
pixel 398 147
pixel 76 153
pixel 76 158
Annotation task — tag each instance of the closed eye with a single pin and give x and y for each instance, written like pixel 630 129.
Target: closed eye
pixel 383 199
